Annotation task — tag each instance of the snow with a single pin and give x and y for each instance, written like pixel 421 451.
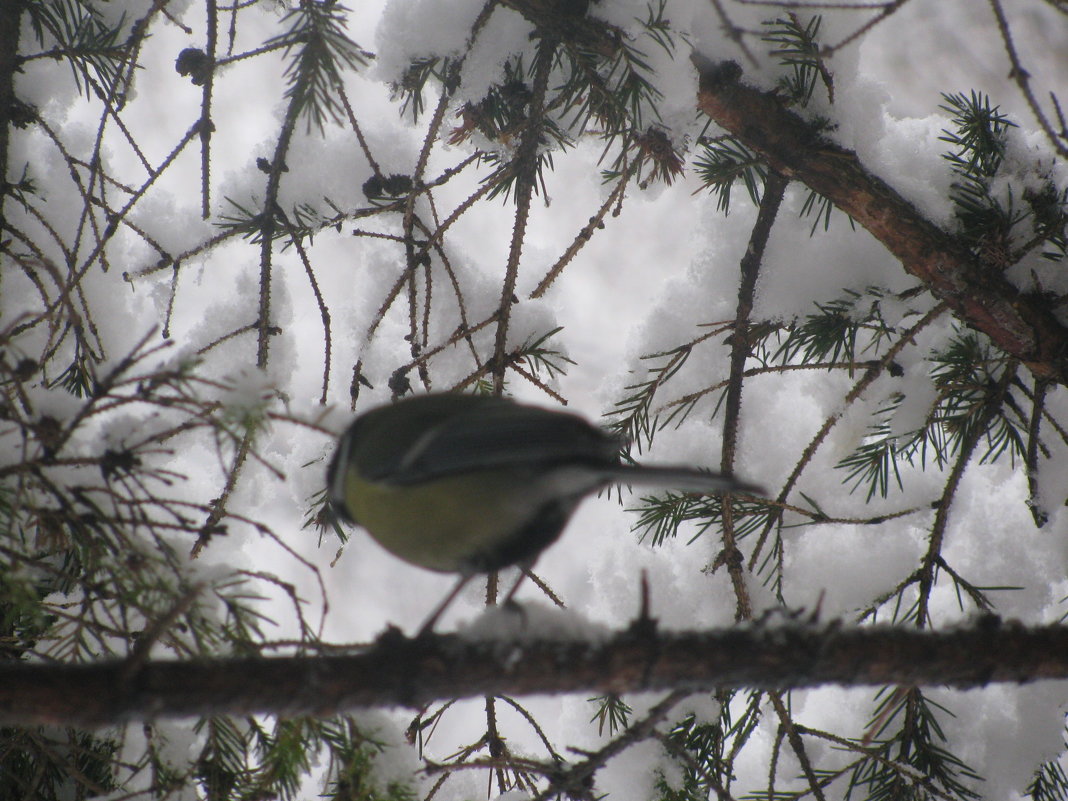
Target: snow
pixel 658 275
pixel 529 623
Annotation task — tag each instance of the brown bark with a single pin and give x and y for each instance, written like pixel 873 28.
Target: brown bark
pixel 400 671
pixel 1023 325
pixel 10 16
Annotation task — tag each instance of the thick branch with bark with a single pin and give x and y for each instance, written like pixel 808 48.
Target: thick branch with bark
pixel 413 672
pixel 1023 325
pixel 10 17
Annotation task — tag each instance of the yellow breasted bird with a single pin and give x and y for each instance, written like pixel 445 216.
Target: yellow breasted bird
pixel 470 484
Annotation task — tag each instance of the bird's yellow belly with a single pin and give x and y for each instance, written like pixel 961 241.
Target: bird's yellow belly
pixel 431 525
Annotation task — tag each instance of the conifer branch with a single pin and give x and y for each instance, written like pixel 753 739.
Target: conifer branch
pixel 1022 324
pixel 412 672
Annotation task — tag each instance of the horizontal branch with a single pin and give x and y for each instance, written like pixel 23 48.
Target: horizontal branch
pixel 1022 324
pixel 411 672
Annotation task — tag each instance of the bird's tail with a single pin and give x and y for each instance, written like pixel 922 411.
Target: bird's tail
pixel 686 479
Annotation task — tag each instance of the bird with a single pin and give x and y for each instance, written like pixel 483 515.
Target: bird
pixel 470 484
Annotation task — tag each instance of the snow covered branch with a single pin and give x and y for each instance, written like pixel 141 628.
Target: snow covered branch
pixel 1022 324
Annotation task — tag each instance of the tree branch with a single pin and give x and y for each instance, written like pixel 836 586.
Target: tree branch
pixel 1022 324
pixel 413 672
pixel 10 20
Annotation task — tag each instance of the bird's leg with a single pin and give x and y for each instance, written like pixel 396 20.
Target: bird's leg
pixel 428 626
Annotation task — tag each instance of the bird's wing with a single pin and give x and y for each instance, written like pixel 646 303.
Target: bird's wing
pixel 505 436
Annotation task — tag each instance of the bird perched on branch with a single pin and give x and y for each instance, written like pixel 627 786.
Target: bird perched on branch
pixel 470 484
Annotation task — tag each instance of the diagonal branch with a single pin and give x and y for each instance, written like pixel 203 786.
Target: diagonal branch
pixel 1022 324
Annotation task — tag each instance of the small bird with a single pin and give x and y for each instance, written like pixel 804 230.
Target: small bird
pixel 471 484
